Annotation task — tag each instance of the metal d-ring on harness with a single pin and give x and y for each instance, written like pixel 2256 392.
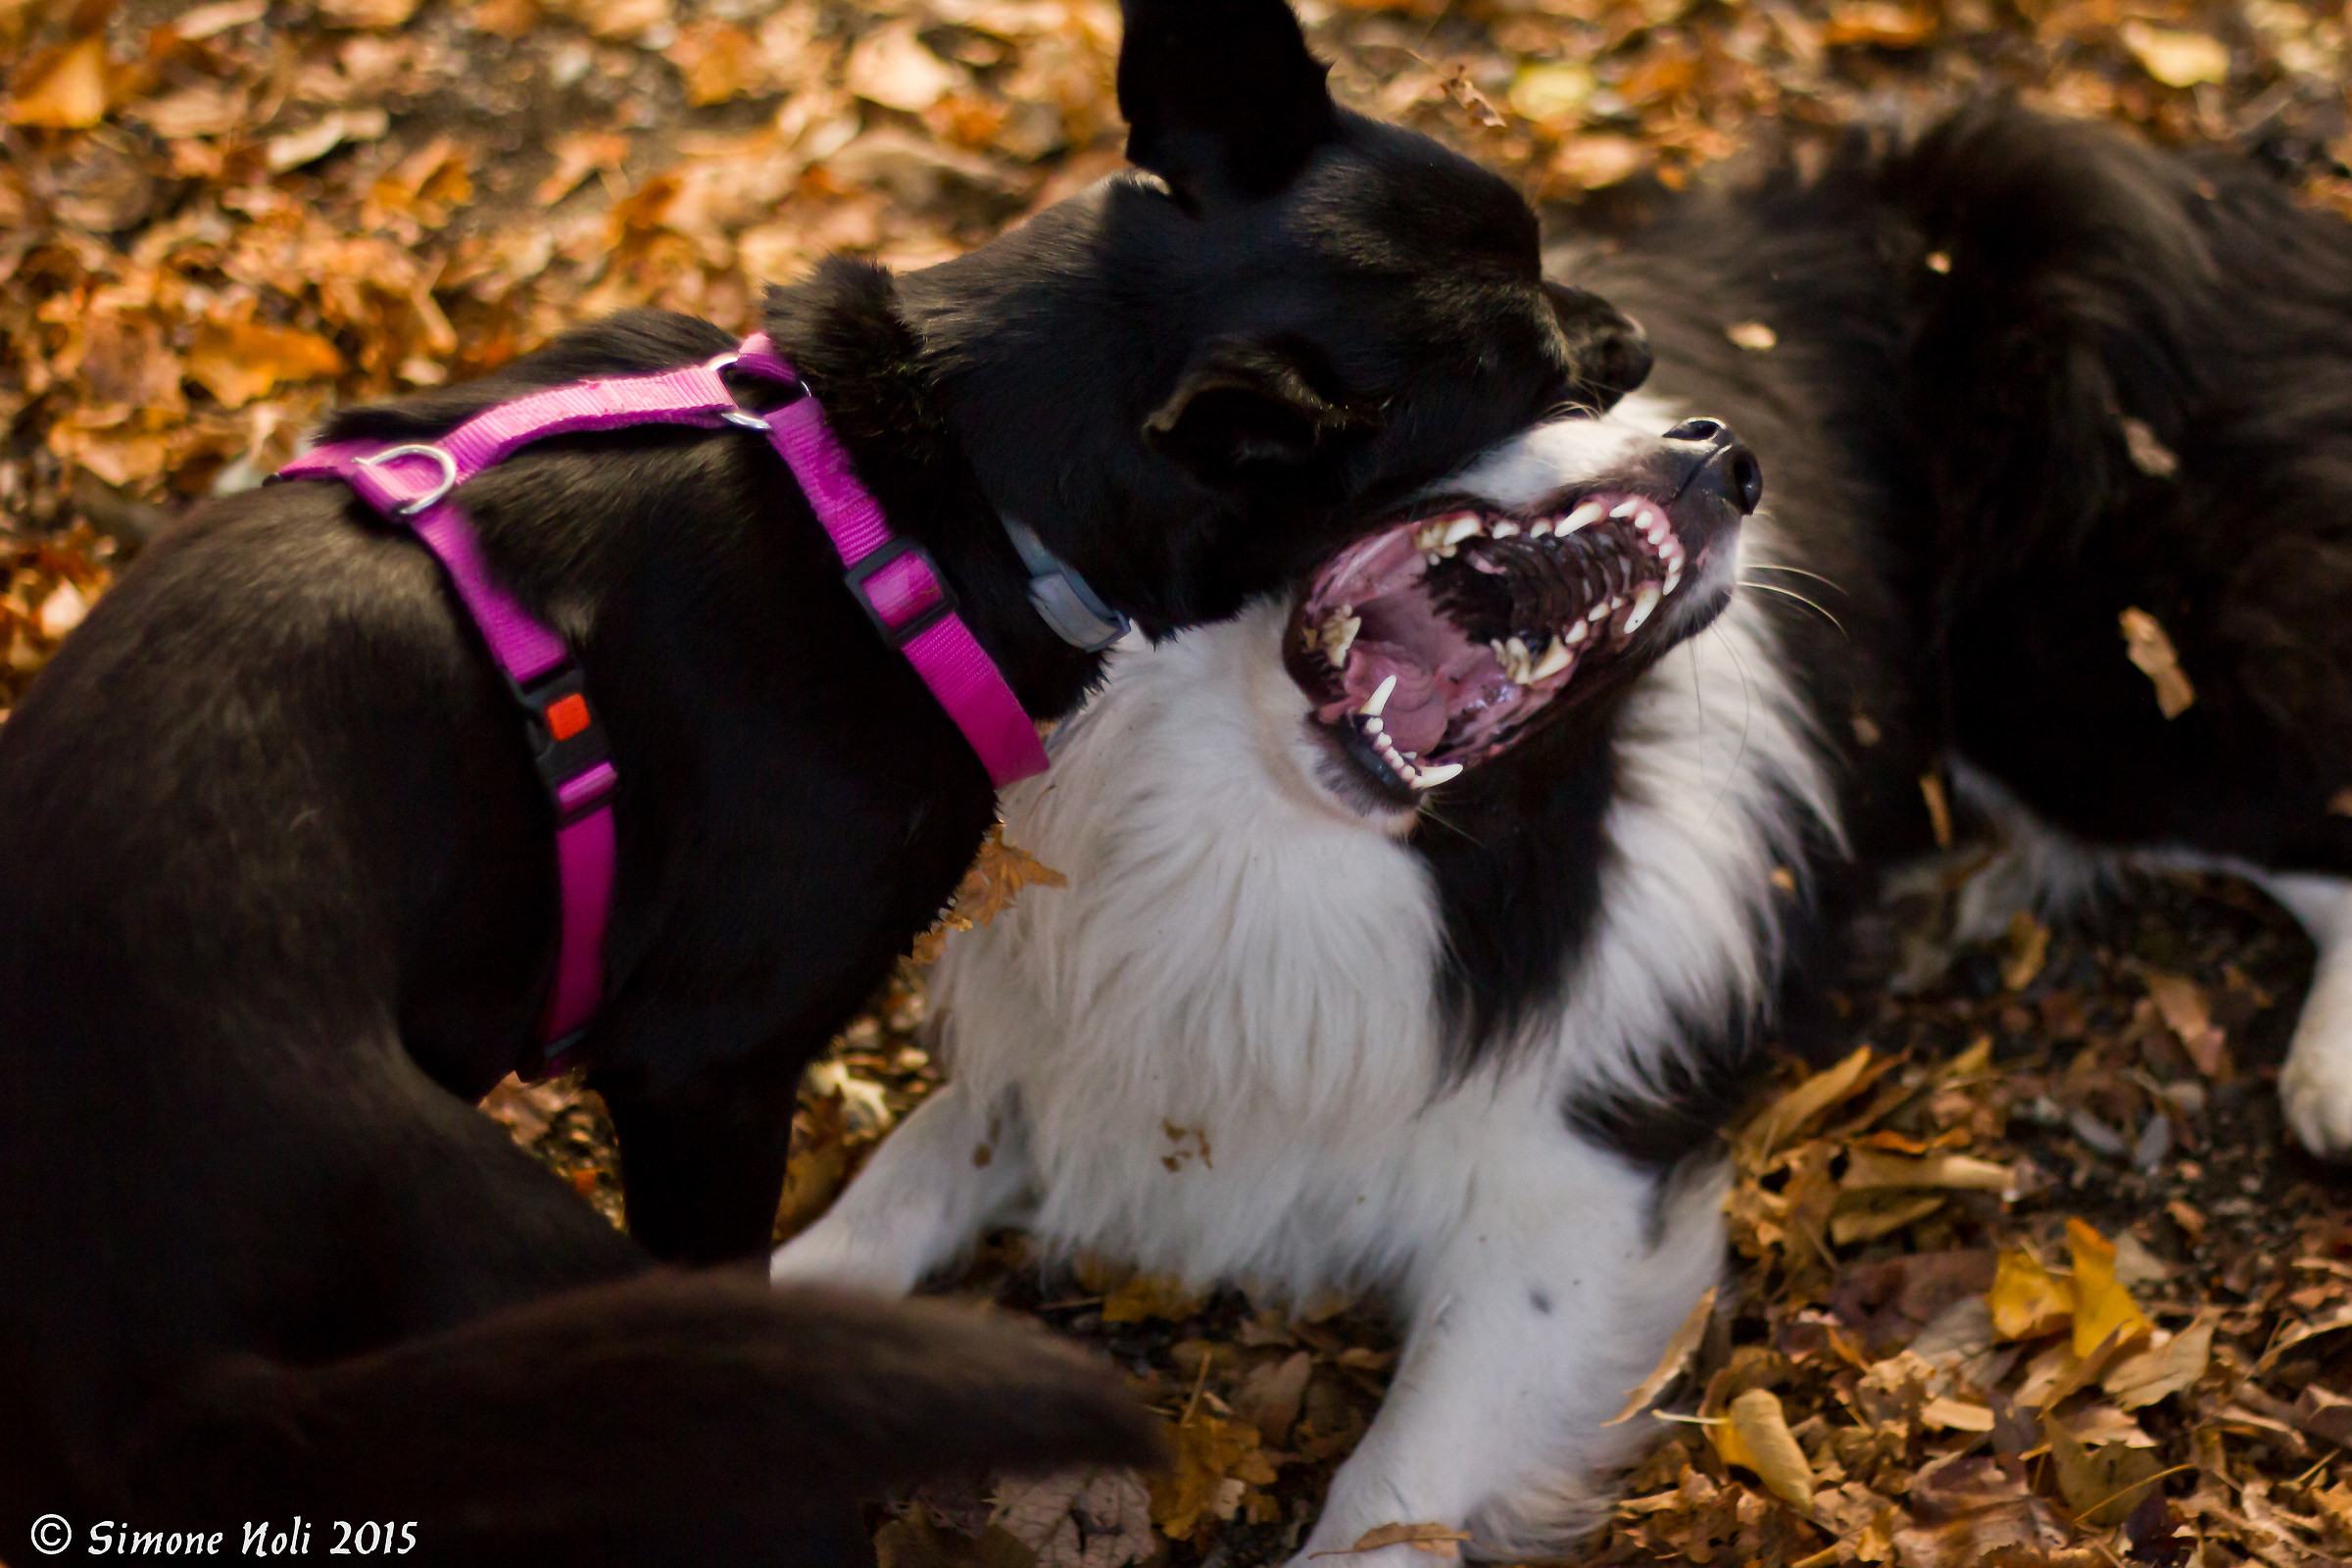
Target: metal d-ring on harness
pixel 893 578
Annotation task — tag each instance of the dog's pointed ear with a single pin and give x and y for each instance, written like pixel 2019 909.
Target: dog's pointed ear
pixel 1249 411
pixel 1221 98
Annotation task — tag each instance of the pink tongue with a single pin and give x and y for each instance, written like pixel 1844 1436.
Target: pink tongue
pixel 1414 715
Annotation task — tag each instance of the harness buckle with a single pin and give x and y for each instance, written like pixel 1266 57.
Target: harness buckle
pixel 567 740
pixel 922 620
pixel 432 497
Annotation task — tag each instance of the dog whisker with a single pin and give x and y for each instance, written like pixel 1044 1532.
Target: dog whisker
pixel 1790 593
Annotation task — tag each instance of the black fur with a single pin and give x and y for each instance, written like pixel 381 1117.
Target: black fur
pixel 276 893
pixel 1966 320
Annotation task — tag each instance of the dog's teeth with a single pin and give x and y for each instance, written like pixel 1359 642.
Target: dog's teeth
pixel 1589 512
pixel 1466 527
pixel 1574 634
pixel 1674 579
pixel 1643 602
pixel 1429 778
pixel 1601 612
pixel 1373 727
pixel 1556 659
pixel 1338 635
pixel 1379 698
pixel 1542 529
pixel 1626 509
pixel 1503 530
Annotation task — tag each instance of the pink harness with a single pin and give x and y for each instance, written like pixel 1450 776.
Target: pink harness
pixel 891 577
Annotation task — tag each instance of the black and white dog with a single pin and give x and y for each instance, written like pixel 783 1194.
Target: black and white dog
pixel 1446 904
pixel 277 890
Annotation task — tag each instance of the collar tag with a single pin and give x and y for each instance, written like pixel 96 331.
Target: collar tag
pixel 1062 599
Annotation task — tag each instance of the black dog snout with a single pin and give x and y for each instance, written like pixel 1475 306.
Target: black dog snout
pixel 1720 461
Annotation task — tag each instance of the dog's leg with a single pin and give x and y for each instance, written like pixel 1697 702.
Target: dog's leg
pixel 702 1162
pixel 2316 1088
pixel 1559 1292
pixel 954 1167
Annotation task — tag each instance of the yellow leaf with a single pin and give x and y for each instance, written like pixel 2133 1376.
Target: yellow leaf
pixel 65 89
pixel 239 360
pixel 1149 1296
pixel 1771 1450
pixel 1551 94
pixel 1788 1116
pixel 1678 1353
pixel 2026 1298
pixel 2176 59
pixel 1217 1466
pixel 2102 1306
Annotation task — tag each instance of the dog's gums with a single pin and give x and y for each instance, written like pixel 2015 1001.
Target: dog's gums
pixel 1429 646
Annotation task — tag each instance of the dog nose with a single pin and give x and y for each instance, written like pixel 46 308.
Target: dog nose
pixel 1718 461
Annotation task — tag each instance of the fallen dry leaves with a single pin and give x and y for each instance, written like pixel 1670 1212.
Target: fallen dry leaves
pixel 218 220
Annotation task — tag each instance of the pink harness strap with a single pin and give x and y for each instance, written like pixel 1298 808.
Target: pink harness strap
pixel 892 577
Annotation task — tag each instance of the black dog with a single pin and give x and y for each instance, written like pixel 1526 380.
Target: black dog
pixel 276 897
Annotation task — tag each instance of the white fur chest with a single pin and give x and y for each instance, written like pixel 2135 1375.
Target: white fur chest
pixel 1221 1035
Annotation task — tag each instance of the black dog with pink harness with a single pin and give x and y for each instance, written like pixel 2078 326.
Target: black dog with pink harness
pixel 892 577
pixel 287 881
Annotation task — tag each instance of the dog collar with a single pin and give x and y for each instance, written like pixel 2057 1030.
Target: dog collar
pixel 1063 600
pixel 892 577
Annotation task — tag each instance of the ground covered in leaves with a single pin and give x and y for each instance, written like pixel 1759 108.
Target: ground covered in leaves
pixel 2029 1276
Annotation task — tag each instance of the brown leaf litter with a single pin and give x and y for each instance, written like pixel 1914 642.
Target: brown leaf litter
pixel 2027 1277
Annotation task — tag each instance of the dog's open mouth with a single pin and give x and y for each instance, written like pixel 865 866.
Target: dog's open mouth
pixel 1432 645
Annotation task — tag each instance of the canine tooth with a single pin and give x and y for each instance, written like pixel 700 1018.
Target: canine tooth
pixel 1462 527
pixel 1589 512
pixel 1626 509
pixel 1429 778
pixel 1379 698
pixel 1643 602
pixel 1674 579
pixel 1556 659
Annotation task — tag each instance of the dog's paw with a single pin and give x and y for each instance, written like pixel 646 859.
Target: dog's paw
pixel 826 1253
pixel 2315 1090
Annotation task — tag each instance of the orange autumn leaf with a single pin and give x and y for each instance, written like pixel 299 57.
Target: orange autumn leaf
pixel 2102 1306
pixel 66 89
pixel 239 360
